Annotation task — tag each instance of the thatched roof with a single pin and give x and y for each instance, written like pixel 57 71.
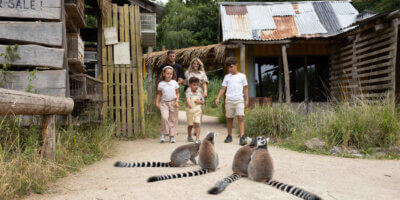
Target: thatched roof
pixel 210 55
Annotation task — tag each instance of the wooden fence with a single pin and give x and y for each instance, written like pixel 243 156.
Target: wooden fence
pixel 364 64
pixel 21 103
pixel 123 84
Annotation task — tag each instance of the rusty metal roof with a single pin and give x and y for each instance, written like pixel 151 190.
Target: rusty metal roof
pixel 267 21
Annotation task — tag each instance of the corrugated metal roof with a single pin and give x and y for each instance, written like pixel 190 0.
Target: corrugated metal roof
pixel 286 28
pixel 327 17
pixel 277 20
pixel 260 17
pixel 236 10
pixel 282 9
pixel 308 23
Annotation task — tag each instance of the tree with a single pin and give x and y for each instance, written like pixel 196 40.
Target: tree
pixel 376 5
pixel 190 23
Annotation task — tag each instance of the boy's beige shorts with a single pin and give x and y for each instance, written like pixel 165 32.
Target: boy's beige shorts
pixel 234 108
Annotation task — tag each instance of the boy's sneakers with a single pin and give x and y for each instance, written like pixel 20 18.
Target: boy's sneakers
pixel 190 139
pixel 242 141
pixel 162 139
pixel 198 141
pixel 228 139
pixel 172 139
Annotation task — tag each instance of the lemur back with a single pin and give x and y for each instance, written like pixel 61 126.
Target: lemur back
pixel 208 161
pixel 261 170
pixel 179 157
pixel 239 166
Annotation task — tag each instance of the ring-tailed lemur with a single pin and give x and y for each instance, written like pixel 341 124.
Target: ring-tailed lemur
pixel 179 157
pixel 208 160
pixel 261 170
pixel 239 166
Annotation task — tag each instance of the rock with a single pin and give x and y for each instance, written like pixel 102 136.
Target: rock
pixel 380 154
pixel 336 150
pixel 356 155
pixel 352 151
pixel 314 143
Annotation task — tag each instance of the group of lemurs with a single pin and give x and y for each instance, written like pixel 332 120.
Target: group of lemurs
pixel 252 160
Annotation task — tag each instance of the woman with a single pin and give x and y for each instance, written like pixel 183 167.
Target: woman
pixel 196 69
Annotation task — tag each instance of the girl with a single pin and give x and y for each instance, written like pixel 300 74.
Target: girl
pixel 168 92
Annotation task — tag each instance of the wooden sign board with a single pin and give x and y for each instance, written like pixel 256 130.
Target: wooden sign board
pixel 47 33
pixel 36 56
pixel 122 54
pixel 110 35
pixel 31 9
pixel 48 82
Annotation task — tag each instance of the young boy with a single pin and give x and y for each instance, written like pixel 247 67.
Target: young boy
pixel 194 100
pixel 237 98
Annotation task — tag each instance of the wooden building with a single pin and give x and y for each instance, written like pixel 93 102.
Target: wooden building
pixel 62 51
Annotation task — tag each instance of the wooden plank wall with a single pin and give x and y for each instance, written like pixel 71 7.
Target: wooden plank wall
pixel 364 65
pixel 123 84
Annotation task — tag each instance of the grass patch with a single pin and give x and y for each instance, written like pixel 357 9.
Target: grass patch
pixel 360 125
pixel 23 171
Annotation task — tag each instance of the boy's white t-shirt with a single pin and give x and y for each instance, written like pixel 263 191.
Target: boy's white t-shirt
pixel 234 86
pixel 168 90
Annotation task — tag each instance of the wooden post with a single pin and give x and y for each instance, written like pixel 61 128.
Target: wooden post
pixel 286 72
pixel 149 85
pixel 395 54
pixel 260 82
pixel 306 83
pixel 280 93
pixel 242 58
pixel 49 137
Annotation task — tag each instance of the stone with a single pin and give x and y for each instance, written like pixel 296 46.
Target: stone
pixel 356 155
pixel 352 151
pixel 336 150
pixel 314 143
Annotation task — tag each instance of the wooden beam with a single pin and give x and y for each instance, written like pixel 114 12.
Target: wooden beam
pixel 286 72
pixel 47 82
pixel 47 33
pixel 37 56
pixel 143 5
pixel 242 58
pixel 280 88
pixel 43 9
pixel 22 103
pixel 49 137
pixel 395 25
pixel 149 85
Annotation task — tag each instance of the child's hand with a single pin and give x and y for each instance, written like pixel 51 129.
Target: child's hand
pixel 199 102
pixel 190 106
pixel 177 104
pixel 205 94
pixel 216 102
pixel 158 106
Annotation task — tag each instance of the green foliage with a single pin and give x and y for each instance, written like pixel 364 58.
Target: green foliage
pixel 31 78
pixel 358 124
pixel 23 171
pixel 10 56
pixel 376 5
pixel 190 23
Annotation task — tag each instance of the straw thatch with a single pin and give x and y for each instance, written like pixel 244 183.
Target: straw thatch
pixel 210 55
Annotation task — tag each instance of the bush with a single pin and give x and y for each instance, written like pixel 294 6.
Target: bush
pixel 359 124
pixel 21 168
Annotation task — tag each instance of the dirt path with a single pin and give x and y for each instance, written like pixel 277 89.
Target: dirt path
pixel 329 177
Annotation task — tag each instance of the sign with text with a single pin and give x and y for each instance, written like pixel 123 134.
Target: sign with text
pixel 36 9
pixel 110 35
pixel 122 54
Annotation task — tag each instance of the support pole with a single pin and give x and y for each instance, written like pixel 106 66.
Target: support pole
pixel 242 58
pixel 280 92
pixel 306 83
pixel 286 72
pixel 49 137
pixel 149 85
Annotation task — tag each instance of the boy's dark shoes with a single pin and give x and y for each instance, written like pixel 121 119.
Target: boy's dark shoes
pixel 228 139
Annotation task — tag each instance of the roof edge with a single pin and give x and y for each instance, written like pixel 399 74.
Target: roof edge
pixel 226 3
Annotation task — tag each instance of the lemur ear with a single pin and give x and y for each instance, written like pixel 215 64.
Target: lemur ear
pixel 267 139
pixel 249 139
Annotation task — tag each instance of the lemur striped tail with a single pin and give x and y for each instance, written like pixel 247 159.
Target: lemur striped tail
pixel 180 175
pixel 220 186
pixel 293 190
pixel 142 164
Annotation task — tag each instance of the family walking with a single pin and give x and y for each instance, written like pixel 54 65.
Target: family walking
pixel 195 81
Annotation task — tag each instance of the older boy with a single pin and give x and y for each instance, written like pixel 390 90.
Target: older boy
pixel 194 100
pixel 237 98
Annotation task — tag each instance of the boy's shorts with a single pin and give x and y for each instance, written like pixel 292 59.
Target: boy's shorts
pixel 193 115
pixel 234 108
